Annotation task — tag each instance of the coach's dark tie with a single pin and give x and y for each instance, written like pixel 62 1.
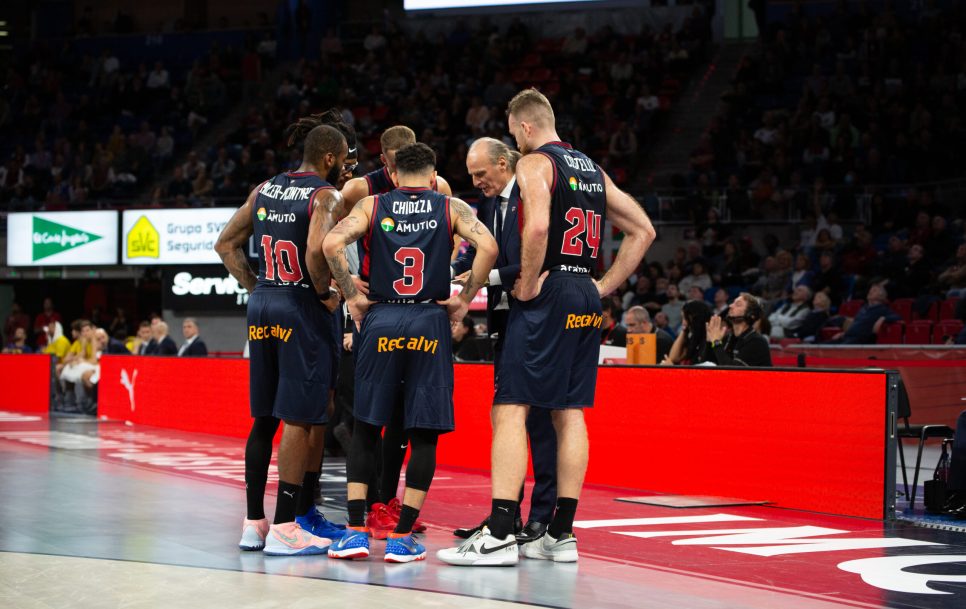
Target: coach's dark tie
pixel 498 221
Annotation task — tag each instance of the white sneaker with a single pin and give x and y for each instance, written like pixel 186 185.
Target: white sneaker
pixel 253 534
pixel 482 550
pixel 548 548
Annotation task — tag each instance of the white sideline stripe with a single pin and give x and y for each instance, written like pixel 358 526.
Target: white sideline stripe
pixel 637 522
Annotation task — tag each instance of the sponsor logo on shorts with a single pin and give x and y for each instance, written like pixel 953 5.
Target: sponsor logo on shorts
pixel 583 321
pixel 266 332
pixel 385 344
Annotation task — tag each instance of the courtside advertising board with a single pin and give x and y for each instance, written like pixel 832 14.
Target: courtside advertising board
pixel 172 236
pixel 73 238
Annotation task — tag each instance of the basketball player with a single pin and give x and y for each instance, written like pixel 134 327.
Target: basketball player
pixel 404 343
pixel 383 503
pixel 491 164
pixel 291 333
pixel 553 333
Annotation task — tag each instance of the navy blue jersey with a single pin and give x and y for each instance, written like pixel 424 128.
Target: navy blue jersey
pixel 577 208
pixel 379 182
pixel 410 241
pixel 282 210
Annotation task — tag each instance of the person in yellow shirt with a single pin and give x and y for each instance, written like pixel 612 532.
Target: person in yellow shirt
pixel 57 343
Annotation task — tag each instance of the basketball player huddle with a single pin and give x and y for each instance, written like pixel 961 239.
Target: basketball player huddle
pixel 374 254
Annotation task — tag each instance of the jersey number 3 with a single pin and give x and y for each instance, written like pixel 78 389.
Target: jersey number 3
pixel 414 262
pixel 284 257
pixel 573 245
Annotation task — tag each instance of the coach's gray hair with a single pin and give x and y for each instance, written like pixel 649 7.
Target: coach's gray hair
pixel 497 150
pixel 640 314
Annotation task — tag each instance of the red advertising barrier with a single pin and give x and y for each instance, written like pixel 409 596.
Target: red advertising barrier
pixel 936 386
pixel 808 439
pixel 26 386
pixel 205 395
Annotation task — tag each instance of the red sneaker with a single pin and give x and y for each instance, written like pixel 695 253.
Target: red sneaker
pixel 380 521
pixel 395 509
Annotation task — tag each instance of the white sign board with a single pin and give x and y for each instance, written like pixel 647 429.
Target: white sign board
pixel 172 236
pixel 70 238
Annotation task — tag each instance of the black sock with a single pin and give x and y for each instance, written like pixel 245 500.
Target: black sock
pixel 357 512
pixel 501 517
pixel 563 518
pixel 255 493
pixel 407 518
pixel 288 494
pixel 307 497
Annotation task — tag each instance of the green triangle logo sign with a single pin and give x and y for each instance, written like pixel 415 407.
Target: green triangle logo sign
pixel 51 238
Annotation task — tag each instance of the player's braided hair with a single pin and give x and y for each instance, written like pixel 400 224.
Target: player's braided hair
pixel 296 132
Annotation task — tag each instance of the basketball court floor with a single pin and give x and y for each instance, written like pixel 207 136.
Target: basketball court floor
pixel 104 514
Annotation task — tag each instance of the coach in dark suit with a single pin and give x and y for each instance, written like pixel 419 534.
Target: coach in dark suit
pixel 491 164
pixel 165 344
pixel 193 345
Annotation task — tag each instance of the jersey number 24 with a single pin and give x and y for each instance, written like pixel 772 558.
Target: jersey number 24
pixel 573 244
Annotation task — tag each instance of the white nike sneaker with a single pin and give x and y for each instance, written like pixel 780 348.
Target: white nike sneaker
pixel 482 550
pixel 548 548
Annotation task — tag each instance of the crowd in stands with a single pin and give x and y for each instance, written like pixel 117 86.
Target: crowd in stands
pixel 77 357
pixel 84 131
pixel 608 91
pixel 839 105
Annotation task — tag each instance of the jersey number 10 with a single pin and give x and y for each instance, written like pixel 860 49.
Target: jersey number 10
pixel 573 245
pixel 284 258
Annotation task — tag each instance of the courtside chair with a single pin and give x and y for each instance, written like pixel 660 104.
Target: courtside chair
pixel 920 432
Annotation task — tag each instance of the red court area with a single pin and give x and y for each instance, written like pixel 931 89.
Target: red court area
pixel 846 561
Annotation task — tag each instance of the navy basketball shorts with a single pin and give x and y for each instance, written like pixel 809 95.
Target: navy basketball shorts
pixel 292 348
pixel 405 349
pixel 552 344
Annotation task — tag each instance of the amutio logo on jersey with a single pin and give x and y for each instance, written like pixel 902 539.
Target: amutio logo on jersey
pixel 419 206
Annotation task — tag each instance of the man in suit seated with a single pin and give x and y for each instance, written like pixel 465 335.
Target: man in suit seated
pixel 638 321
pixel 193 345
pixel 491 164
pixel 165 344
pixel 109 345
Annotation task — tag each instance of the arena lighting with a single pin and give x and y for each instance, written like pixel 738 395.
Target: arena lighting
pixel 438 5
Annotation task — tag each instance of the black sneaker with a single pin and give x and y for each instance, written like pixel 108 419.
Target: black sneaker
pixel 532 531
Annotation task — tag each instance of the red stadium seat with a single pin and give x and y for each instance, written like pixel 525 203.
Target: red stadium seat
pixel 850 307
pixel 520 75
pixel 918 332
pixel 903 306
pixel 789 341
pixel 932 315
pixel 599 88
pixel 890 333
pixel 949 327
pixel 947 309
pixel 531 61
pixel 828 333
pixel 539 75
pixel 360 112
pixel 373 146
pixel 380 112
pixel 550 88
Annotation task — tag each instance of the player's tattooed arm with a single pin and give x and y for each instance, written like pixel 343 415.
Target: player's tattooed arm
pixel 232 241
pixel 467 226
pixel 349 230
pixel 325 207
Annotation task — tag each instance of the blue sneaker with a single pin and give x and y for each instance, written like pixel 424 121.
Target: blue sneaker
pixel 403 549
pixel 314 522
pixel 354 543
